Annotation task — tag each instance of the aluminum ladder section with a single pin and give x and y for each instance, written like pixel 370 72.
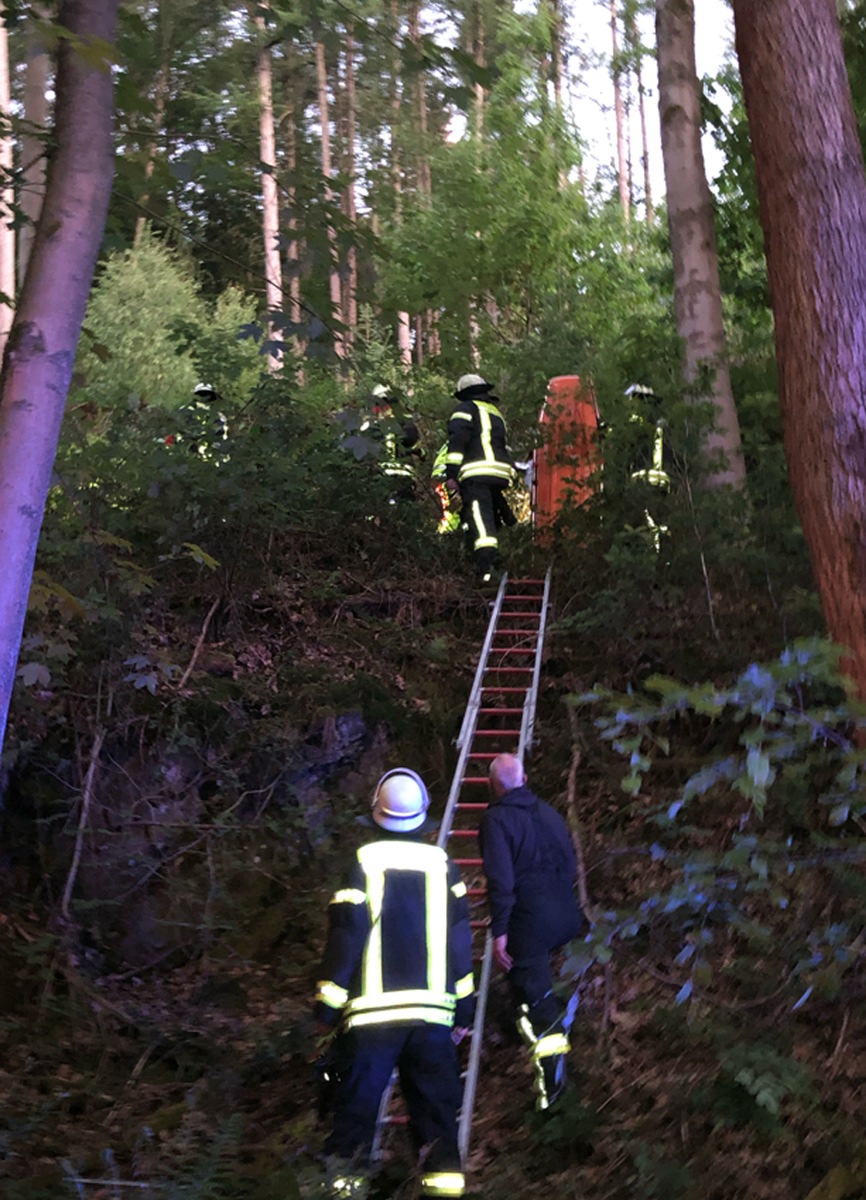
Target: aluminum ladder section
pixel 499 718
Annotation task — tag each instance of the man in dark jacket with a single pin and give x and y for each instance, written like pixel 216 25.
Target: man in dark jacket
pixel 397 975
pixel 530 867
pixel 479 467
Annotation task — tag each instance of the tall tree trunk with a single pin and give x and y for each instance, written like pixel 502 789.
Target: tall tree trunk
pixel 7 194
pixel 404 337
pixel 479 54
pixel 633 35
pixel 270 195
pixel 350 298
pixel 165 21
pixel 40 351
pixel 619 116
pixel 812 195
pixel 36 74
pixel 423 174
pixel 697 289
pixel 334 288
pixel 295 248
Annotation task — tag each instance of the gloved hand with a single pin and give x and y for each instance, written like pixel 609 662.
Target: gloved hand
pixel 453 487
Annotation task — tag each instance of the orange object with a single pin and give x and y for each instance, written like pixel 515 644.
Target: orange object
pixel 566 464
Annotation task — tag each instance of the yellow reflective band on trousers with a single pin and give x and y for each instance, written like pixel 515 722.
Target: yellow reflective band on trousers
pixel 443 1183
pixel 553 1043
pixel 332 994
pixel 482 538
pixel 459 889
pixel 431 1003
pixel 349 896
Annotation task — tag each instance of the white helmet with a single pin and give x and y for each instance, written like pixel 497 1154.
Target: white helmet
pixel 400 801
pixel 204 389
pixel 380 392
pixel 471 381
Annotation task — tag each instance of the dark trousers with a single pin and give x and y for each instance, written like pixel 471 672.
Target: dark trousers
pixel 485 510
pixel 426 1060
pixel 531 983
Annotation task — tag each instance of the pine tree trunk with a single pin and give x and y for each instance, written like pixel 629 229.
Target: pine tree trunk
pixel 7 195
pixel 36 74
pixel 812 195
pixel 270 196
pixel 40 351
pixel 295 248
pixel 161 96
pixel 479 54
pixel 619 116
pixel 350 298
pixel 404 337
pixel 697 289
pixel 637 51
pixel 334 288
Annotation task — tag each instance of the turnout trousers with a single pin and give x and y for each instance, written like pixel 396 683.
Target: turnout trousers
pixel 543 1022
pixel 426 1060
pixel 485 510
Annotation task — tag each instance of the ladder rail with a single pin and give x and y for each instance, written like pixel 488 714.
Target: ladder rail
pixel 527 725
pixel 464 743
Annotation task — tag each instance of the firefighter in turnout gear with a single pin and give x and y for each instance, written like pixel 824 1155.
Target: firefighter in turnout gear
pixel 479 467
pixel 530 868
pixel 649 461
pixel 397 977
pixel 399 444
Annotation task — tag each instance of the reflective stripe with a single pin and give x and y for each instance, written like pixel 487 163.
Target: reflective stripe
pixel 332 994
pixel 443 1183
pixel 455 458
pixel 459 889
pixel 462 416
pixel 349 896
pixel 431 1016
pixel 406 996
pixel 553 1043
pixel 349 1185
pixel 492 468
pixel 654 477
pixel 465 986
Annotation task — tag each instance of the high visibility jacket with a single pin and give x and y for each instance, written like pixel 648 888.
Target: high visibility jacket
pixel 650 463
pixel 399 944
pixel 477 443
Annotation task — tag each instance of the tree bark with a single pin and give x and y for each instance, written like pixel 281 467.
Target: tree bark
pixel 812 196
pixel 36 74
pixel 164 20
pixel 334 288
pixel 619 116
pixel 350 297
pixel 7 194
pixel 633 36
pixel 697 288
pixel 270 197
pixel 404 337
pixel 40 351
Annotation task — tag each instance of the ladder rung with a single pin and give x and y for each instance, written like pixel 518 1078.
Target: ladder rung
pixel 468 862
pixel 473 807
pixel 516 670
pixel 464 833
pixel 486 712
pixel 501 691
pixel 476 891
pixel 481 923
pixel 497 732
pixel 475 779
pixel 513 649
pixel 527 632
pixel 520 614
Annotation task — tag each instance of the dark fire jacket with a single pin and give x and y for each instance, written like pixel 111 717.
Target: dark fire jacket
pixel 399 944
pixel 530 867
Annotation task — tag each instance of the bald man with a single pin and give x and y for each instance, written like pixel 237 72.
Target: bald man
pixel 530 867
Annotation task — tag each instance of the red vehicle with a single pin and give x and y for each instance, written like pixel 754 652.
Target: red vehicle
pixel 566 464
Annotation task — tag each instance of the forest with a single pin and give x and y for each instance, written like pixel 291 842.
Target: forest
pixel 218 628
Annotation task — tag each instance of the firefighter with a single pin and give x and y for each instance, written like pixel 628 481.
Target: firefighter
pixel 649 459
pixel 397 977
pixel 479 469
pixel 530 868
pixel 399 441
pixel 203 428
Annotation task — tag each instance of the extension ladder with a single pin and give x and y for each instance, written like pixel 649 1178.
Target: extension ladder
pixel 499 719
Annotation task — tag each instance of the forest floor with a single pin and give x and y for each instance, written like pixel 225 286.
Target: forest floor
pixel 194 1079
